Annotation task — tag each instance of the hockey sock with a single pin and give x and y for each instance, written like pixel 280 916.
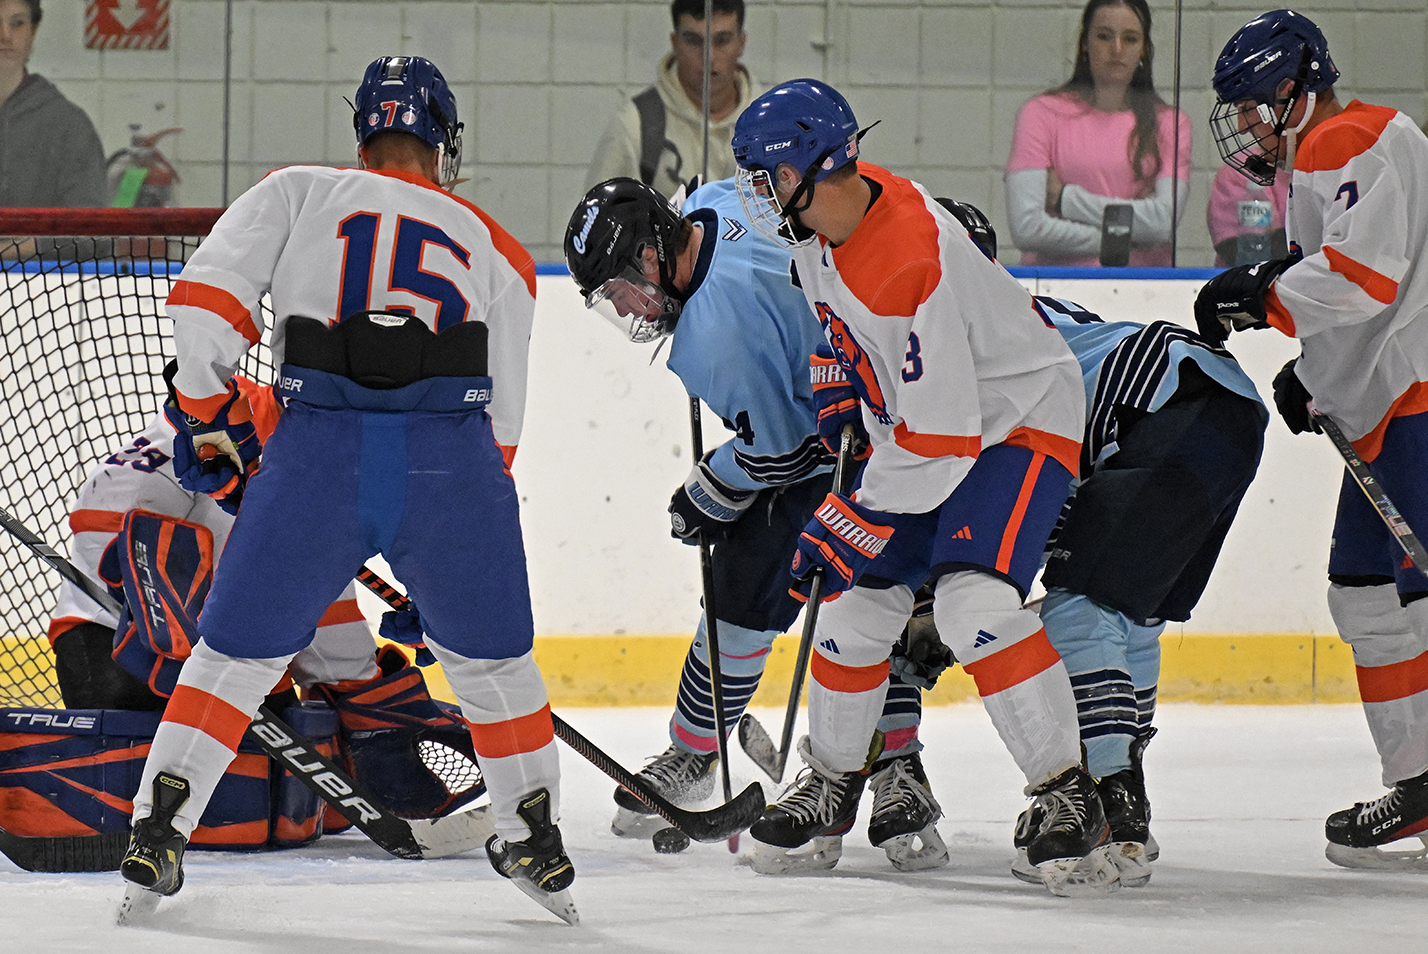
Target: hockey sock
pixel 742 656
pixel 902 714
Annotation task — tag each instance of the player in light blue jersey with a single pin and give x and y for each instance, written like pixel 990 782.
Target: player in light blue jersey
pixel 1174 433
pixel 741 339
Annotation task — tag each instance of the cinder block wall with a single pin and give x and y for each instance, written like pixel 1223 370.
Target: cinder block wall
pixel 537 80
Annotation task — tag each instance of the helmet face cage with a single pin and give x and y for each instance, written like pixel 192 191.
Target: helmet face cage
pixel 764 211
pixel 409 94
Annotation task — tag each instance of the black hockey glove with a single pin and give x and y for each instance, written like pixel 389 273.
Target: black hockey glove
pixel 1292 398
pixel 705 503
pixel 919 656
pixel 1234 299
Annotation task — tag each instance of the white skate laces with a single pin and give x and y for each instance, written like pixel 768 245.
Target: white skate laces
pixel 904 818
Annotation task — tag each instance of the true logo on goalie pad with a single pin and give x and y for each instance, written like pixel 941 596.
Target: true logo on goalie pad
pixel 67 720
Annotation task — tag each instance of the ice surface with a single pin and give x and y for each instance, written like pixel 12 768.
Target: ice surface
pixel 1239 795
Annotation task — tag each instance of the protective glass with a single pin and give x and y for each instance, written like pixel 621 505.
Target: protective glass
pixel 638 308
pixel 763 209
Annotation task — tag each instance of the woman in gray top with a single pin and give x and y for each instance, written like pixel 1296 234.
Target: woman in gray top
pixel 49 152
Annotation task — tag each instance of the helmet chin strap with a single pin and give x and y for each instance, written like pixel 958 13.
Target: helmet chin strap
pixel 1291 136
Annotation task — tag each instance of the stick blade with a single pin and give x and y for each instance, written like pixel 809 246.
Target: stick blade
pixel 727 820
pixel 101 852
pixel 758 746
pixel 454 834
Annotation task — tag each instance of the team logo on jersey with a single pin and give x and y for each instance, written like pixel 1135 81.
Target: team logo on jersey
pixel 736 230
pixel 855 362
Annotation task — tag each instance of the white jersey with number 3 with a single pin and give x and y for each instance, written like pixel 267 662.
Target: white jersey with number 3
pixel 944 347
pixel 328 243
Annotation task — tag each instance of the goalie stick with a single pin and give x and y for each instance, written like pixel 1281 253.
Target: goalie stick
pixel 404 838
pixel 753 737
pixel 714 825
pixel 1372 489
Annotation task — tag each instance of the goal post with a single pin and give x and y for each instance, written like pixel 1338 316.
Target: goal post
pixel 83 342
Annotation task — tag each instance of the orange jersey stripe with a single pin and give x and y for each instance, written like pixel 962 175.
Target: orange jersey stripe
pixel 1023 499
pixel 100 521
pixel 936 445
pixel 63 624
pixel 1356 129
pixel 508 454
pixel 1015 664
pixel 263 404
pixel 1276 314
pixel 841 678
pixel 1412 401
pixel 1379 287
pixel 1394 681
pixel 1066 451
pixel 208 714
pixel 219 302
pixel 527 733
pixel 343 611
pixel 892 263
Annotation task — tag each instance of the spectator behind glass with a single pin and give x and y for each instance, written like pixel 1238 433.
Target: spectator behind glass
pixel 1100 139
pixel 1246 219
pixel 50 155
pixel 658 137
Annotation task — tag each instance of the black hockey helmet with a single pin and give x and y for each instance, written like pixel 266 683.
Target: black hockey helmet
pixel 978 226
pixel 605 244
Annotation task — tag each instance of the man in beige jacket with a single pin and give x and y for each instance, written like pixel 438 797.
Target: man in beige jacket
pixel 658 136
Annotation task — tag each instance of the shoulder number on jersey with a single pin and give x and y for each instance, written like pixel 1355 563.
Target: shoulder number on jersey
pixel 140 456
pixel 359 233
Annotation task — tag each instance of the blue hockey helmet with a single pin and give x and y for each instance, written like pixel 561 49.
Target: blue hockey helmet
pixel 804 123
pixel 408 94
pixel 1277 46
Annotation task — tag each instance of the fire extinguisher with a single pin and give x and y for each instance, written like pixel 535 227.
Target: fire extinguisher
pixel 139 175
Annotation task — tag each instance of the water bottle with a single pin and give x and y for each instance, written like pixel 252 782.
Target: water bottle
pixel 1255 218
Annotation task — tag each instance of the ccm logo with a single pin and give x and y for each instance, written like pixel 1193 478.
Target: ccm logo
pixel 775 146
pixel 291 384
pixel 477 394
pixel 53 721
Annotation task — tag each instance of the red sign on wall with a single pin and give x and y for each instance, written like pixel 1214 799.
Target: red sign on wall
pixel 126 24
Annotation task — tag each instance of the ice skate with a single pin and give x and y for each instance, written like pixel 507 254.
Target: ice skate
pixel 539 865
pixel 678 776
pixel 1070 846
pixel 1128 813
pixel 904 818
pixel 804 830
pixel 1357 835
pixel 153 865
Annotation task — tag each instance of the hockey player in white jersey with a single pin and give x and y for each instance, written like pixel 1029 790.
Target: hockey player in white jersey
pixel 974 409
pixel 1354 291
pixel 141 474
pixel 406 317
pixel 742 337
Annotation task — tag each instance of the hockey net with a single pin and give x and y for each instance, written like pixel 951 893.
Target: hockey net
pixel 85 340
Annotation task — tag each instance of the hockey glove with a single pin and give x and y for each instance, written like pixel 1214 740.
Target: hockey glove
pixel 216 458
pixel 404 626
pixel 836 403
pixel 1234 299
pixel 1292 398
pixel 705 504
pixel 842 539
pixel 919 656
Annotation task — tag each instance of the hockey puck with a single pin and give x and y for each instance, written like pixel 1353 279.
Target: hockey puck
pixel 670 841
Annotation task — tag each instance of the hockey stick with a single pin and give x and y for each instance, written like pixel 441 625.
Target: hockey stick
pixel 717 824
pixel 51 853
pixel 420 838
pixel 752 735
pixel 711 615
pixel 1372 489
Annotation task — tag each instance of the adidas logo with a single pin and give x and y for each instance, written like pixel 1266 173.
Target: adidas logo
pixel 829 645
pixel 983 637
pixel 964 534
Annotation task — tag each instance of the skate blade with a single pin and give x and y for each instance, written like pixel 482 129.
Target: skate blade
pixel 628 824
pixel 1023 870
pixel 1152 847
pixel 138 906
pixel 1377 859
pixel 1133 862
pixel 559 903
pixel 1092 876
pixel 819 854
pixel 919 851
